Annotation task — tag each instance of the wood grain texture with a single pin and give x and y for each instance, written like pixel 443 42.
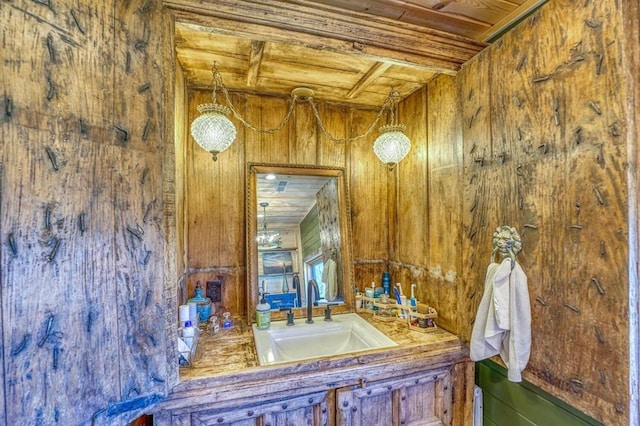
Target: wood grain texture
pixel 444 261
pixel 49 349
pixel 473 89
pixel 63 165
pixel 225 379
pixel 172 190
pixel 299 24
pixel 553 167
pixel 216 243
pixel 630 11
pixel 181 135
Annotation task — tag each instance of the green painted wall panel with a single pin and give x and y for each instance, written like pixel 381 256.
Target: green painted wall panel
pixel 488 422
pixel 507 403
pixel 503 414
pixel 310 232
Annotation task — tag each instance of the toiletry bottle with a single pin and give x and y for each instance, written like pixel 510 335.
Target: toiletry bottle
pixel 193 312
pixel 188 332
pixel 386 283
pixel 414 302
pixel 263 314
pixel 183 315
pixel 203 304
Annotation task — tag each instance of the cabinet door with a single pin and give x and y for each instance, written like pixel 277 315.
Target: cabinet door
pixel 421 399
pixel 311 410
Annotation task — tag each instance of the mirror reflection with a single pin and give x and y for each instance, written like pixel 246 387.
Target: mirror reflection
pixel 297 235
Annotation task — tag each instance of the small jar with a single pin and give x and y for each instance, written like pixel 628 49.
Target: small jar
pixel 214 325
pixel 227 322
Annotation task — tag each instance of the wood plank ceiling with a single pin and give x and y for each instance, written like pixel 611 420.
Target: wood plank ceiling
pixel 262 61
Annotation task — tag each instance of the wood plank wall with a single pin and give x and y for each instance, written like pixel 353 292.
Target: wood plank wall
pixel 83 214
pixel 530 135
pixel 181 132
pixel 216 190
pixel 544 150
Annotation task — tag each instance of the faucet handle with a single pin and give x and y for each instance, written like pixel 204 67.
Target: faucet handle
pixel 327 311
pixel 289 316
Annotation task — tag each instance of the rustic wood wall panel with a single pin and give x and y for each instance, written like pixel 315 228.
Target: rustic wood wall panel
pixel 444 183
pixel 174 277
pixel 44 225
pixel 180 137
pixel 631 41
pixel 139 264
pixel 369 182
pixel 215 214
pixel 137 120
pixel 555 168
pixel 412 201
pixel 473 96
pixel 63 163
pixel 331 154
pixel 216 243
pixel 267 113
pixel 304 144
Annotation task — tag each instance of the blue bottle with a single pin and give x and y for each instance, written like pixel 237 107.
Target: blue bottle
pixel 203 304
pixel 386 283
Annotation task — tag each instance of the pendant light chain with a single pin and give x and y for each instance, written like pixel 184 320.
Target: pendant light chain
pixel 390 102
pixel 217 77
pixel 214 132
pixel 351 139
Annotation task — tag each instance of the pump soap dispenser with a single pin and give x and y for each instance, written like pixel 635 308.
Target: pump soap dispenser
pixel 263 311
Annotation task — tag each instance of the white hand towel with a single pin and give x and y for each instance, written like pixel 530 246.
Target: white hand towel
pixel 329 277
pixel 503 321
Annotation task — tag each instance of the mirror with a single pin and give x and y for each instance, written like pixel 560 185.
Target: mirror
pixel 301 214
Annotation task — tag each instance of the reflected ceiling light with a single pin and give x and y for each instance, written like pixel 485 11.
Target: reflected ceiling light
pixel 214 132
pixel 270 176
pixel 267 239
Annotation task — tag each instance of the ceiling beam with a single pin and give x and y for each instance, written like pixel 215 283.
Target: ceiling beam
pixel 255 59
pixel 511 19
pixel 301 22
pixel 374 72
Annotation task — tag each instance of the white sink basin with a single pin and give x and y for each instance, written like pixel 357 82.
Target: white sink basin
pixel 347 333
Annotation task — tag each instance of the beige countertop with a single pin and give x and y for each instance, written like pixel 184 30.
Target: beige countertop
pixel 231 354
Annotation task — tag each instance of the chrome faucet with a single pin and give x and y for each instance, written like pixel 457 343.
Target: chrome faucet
pixel 312 285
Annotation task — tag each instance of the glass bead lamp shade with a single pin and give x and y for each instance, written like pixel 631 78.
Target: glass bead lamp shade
pixel 212 130
pixel 392 145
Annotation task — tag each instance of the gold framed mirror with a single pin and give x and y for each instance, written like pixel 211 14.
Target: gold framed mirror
pixel 298 228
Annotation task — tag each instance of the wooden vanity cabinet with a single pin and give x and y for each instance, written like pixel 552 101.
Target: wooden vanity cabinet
pixel 418 399
pixel 423 398
pixel 313 409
